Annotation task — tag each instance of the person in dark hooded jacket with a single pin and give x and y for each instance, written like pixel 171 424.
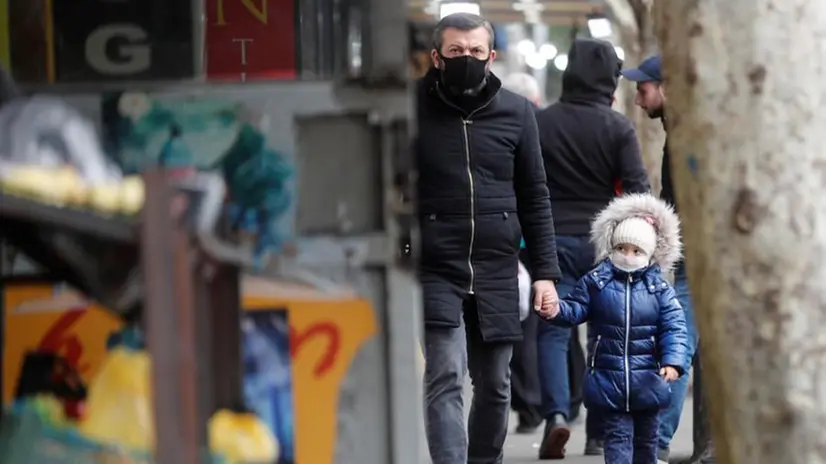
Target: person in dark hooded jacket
pixel 8 88
pixel 481 186
pixel 641 338
pixel 588 148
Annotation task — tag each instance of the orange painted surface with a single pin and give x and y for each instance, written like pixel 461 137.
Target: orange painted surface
pixel 326 333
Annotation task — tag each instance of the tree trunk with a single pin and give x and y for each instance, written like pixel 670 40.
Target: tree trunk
pixel 745 105
pixel 636 34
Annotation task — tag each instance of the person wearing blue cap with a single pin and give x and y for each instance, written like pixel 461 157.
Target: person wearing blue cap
pixel 651 98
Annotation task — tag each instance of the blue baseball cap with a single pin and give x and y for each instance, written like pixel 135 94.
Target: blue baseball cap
pixel 649 70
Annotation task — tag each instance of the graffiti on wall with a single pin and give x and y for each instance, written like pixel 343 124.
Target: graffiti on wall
pixel 325 337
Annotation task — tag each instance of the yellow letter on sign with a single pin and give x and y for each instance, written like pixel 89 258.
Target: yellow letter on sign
pixel 260 14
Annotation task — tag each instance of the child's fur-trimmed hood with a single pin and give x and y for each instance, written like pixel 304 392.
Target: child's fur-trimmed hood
pixel 668 250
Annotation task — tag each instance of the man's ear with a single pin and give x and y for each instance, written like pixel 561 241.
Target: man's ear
pixel 434 58
pixel 661 89
pixel 491 57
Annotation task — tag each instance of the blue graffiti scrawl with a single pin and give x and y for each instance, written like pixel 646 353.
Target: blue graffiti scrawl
pixel 180 133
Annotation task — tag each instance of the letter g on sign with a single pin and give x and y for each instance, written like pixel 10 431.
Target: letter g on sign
pixel 133 55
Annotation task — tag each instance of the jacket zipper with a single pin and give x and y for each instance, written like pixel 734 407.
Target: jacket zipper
pixel 625 349
pixel 594 356
pixel 466 121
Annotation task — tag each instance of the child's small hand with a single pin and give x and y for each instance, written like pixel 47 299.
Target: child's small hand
pixel 669 374
pixel 546 300
pixel 549 308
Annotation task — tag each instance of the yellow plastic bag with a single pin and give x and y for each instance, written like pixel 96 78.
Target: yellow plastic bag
pixel 242 438
pixel 119 403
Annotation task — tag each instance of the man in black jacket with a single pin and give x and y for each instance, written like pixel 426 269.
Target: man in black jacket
pixel 481 186
pixel 588 148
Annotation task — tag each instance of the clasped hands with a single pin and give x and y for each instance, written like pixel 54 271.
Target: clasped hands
pixel 545 299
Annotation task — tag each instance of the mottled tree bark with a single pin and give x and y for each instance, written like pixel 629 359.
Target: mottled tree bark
pixel 634 25
pixel 745 84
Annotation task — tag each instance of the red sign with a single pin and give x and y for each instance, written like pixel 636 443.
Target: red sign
pixel 250 39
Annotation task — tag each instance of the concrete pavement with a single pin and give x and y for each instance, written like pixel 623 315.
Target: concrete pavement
pixel 521 449
pixel 524 448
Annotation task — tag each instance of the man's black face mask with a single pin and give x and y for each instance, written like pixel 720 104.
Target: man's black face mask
pixel 463 72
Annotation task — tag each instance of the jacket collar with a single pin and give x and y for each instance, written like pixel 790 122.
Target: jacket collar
pixel 433 87
pixel 605 272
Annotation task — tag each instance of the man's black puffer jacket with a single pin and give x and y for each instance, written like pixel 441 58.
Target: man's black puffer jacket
pixel 481 186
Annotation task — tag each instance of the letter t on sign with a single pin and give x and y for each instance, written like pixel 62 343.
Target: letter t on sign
pixel 243 43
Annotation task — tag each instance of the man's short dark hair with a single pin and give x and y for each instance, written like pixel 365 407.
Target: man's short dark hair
pixel 463 22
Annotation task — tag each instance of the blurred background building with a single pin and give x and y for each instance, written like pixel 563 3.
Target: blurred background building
pixel 531 35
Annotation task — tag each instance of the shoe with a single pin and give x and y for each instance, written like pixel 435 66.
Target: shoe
pixel 555 438
pixel 594 447
pixel 528 423
pixel 526 429
pixel 662 456
pixel 704 457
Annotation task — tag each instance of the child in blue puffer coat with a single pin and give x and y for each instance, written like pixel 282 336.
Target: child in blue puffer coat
pixel 640 335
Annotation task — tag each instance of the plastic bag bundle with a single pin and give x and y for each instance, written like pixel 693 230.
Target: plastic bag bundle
pixel 46 132
pixel 524 292
pixel 119 404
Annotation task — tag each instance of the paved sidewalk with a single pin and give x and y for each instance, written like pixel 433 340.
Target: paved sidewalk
pixel 523 448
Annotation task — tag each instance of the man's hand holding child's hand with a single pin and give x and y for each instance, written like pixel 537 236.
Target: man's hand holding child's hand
pixel 546 300
pixel 669 374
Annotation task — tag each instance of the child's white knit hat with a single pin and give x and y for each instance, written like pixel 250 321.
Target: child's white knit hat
pixel 636 231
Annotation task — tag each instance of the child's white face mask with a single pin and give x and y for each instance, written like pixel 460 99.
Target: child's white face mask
pixel 629 258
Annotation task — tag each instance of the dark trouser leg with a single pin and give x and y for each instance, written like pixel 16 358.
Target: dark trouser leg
pixel 593 424
pixel 445 367
pixel 646 432
pixel 525 395
pixel 576 373
pixel 619 437
pixel 552 345
pixel 489 367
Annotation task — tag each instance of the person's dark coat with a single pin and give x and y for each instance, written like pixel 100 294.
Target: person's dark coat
pixel 481 185
pixel 588 147
pixel 667 192
pixel 8 88
pixel 637 322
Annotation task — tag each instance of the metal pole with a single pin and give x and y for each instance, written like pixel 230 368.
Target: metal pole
pixel 170 327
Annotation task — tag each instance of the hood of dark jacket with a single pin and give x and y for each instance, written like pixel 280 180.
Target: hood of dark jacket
pixel 592 73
